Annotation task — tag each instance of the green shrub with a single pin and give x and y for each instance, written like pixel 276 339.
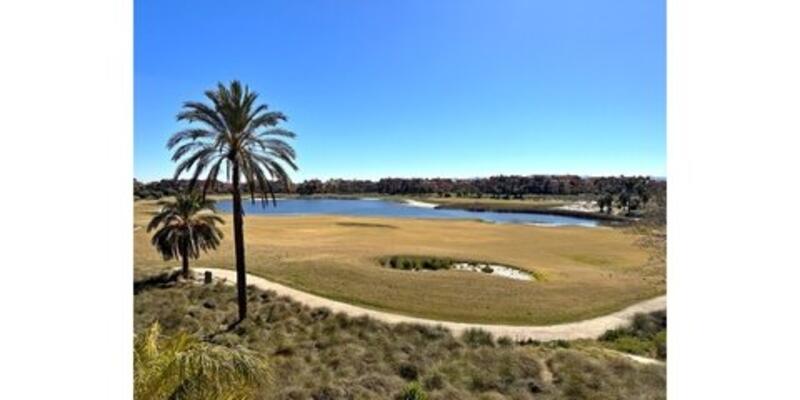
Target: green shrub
pixel 661 345
pixel 477 338
pixel 487 269
pixel 633 345
pixel 646 336
pixel 413 391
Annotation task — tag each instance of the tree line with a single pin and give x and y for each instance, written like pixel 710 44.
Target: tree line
pixel 627 191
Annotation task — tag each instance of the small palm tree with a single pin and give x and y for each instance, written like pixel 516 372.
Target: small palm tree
pixel 241 138
pixel 184 367
pixel 185 227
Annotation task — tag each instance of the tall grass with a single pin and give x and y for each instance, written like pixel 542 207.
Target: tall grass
pixel 317 354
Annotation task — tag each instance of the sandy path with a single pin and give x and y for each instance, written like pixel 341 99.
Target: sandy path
pixel 587 329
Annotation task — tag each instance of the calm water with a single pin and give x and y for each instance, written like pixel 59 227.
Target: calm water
pixel 382 208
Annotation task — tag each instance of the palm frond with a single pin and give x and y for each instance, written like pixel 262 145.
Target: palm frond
pixel 235 131
pixel 186 226
pixel 185 367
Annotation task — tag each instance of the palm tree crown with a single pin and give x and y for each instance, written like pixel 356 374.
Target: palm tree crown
pixel 184 227
pixel 234 132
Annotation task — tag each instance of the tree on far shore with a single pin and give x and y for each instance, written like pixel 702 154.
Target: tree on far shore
pixel 235 136
pixel 184 227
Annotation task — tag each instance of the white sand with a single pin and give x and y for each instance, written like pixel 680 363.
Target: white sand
pixel 415 203
pixel 583 206
pixel 497 270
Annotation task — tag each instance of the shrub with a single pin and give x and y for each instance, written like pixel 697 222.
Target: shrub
pixel 487 269
pixel 661 344
pixel 413 391
pixel 408 371
pixel 646 336
pixel 477 338
pixel 504 341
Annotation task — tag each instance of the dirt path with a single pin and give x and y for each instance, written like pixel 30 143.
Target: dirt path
pixel 587 329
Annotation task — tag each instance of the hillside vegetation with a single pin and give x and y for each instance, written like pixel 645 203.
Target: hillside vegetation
pixel 314 354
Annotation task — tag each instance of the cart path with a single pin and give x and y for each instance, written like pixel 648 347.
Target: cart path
pixel 586 329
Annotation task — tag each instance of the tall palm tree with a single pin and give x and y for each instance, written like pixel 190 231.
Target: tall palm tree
pixel 243 139
pixel 184 367
pixel 184 227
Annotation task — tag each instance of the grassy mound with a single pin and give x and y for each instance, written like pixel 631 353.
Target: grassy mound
pixel 316 354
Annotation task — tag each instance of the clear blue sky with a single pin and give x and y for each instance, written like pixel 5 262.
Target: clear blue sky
pixel 418 88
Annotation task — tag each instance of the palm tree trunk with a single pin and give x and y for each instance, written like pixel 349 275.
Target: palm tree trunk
pixel 238 239
pixel 185 261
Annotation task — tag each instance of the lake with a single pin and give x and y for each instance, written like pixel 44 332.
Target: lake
pixel 395 209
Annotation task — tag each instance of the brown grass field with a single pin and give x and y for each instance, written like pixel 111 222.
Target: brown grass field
pixel 586 272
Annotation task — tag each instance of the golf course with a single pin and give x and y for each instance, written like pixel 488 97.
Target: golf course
pixel 580 272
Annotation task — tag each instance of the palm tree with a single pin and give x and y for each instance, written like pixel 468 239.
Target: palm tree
pixel 184 227
pixel 241 138
pixel 184 367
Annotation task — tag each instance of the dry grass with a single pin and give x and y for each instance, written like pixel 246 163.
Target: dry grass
pixel 315 354
pixel 587 272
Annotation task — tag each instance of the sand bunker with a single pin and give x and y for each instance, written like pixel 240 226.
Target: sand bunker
pixel 495 270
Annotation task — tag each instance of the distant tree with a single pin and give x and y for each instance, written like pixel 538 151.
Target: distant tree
pixel 606 202
pixel 184 227
pixel 184 367
pixel 624 200
pixel 242 139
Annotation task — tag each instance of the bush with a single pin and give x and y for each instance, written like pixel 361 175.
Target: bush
pixel 413 391
pixel 646 336
pixel 661 345
pixel 477 338
pixel 504 341
pixel 487 269
pixel 408 371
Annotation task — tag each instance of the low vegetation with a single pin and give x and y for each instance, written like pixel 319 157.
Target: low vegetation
pixel 647 336
pixel 366 225
pixel 417 263
pixel 315 354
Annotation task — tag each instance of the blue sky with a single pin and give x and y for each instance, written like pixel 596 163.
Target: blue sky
pixel 418 88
